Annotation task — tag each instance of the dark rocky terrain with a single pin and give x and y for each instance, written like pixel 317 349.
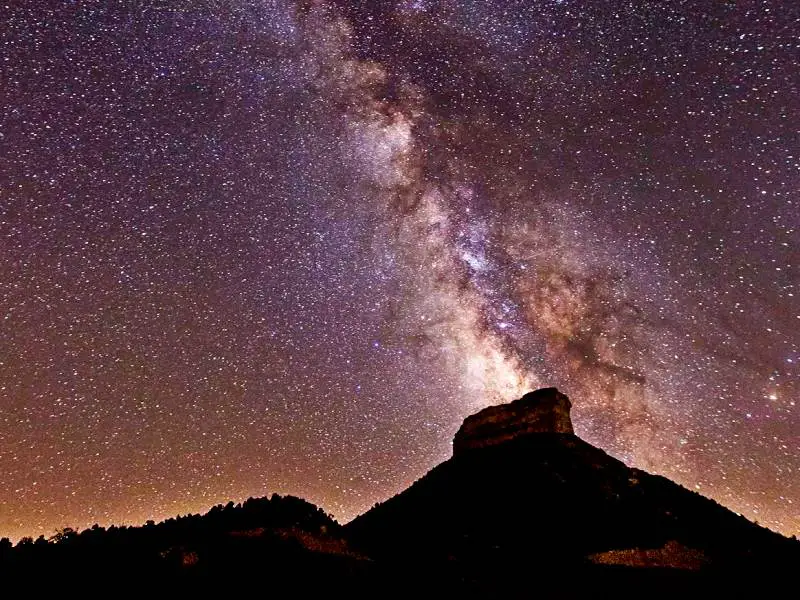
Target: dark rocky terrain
pixel 525 504
pixel 524 508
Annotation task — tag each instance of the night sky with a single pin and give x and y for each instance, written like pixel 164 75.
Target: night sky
pixel 269 246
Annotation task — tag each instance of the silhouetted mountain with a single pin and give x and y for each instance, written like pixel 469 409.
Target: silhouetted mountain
pixel 523 509
pixel 525 505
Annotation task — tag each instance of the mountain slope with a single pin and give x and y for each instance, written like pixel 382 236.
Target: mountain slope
pixel 519 500
pixel 274 542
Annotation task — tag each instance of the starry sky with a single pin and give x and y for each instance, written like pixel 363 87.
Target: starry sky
pixel 288 246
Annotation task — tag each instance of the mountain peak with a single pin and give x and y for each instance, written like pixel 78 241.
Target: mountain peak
pixel 544 411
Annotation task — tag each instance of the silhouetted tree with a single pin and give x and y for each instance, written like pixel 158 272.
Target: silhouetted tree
pixel 5 547
pixel 65 535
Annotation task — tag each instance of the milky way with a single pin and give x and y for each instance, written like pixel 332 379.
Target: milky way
pixel 273 246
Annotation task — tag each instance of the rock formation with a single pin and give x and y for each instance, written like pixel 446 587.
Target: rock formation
pixel 543 411
pixel 525 508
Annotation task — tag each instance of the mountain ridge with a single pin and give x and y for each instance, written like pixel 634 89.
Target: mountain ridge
pixel 522 502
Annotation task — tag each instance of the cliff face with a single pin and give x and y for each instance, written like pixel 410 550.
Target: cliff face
pixel 542 411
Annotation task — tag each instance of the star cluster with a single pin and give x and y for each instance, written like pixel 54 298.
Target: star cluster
pixel 276 246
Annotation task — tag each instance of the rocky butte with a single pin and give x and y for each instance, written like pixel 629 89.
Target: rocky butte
pixel 543 411
pixel 525 508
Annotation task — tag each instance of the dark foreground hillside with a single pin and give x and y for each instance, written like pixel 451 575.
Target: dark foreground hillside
pixel 523 509
pixel 278 543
